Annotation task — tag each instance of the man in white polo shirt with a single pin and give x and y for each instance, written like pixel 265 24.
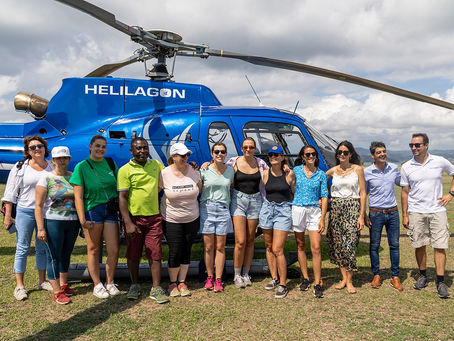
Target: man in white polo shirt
pixel 423 208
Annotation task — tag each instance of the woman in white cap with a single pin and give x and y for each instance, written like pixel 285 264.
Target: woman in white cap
pixel 180 214
pixel 56 218
pixel 20 190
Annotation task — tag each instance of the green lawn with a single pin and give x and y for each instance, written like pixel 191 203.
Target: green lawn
pixel 252 313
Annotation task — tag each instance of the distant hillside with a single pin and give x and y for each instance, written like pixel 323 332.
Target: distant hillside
pixel 400 156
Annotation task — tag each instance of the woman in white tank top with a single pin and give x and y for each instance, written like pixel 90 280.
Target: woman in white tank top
pixel 346 218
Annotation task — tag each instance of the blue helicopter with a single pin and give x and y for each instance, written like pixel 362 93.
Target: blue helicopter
pixel 164 111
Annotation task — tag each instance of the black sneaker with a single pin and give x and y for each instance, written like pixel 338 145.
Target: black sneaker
pixel 281 291
pixel 442 289
pixel 318 291
pixel 272 284
pixel 420 283
pixel 305 285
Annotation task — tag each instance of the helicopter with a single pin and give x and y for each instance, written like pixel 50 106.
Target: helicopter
pixel 164 111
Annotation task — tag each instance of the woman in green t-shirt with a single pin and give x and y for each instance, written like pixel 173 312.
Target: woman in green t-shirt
pixel 95 184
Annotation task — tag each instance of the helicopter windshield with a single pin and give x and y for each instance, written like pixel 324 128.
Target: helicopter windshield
pixel 325 143
pixel 220 132
pixel 267 134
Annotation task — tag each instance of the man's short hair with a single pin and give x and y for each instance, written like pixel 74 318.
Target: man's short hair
pixel 425 138
pixel 138 138
pixel 374 145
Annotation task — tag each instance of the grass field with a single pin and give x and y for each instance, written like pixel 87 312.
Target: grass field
pixel 252 313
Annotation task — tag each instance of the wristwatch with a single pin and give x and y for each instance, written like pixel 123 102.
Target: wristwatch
pixel 452 193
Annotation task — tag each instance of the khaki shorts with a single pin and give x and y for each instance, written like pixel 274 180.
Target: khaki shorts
pixel 426 228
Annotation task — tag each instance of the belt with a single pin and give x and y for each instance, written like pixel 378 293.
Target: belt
pixel 389 210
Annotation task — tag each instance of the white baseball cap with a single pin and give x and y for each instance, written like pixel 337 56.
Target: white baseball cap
pixel 60 152
pixel 180 149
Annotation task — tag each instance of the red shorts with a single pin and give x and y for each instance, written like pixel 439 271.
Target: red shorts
pixel 151 237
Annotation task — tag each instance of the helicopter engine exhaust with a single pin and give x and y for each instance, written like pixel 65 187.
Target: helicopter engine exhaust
pixel 34 105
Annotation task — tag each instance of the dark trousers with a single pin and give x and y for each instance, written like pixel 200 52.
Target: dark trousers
pixel 180 237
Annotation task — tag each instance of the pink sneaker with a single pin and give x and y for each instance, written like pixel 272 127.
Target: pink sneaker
pixel 218 285
pixel 209 283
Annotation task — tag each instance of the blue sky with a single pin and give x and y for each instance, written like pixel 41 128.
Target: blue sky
pixel 404 43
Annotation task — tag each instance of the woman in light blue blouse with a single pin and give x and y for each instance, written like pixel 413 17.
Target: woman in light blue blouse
pixel 311 187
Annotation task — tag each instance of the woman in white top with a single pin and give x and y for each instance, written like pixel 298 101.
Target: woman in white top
pixel 346 218
pixel 20 190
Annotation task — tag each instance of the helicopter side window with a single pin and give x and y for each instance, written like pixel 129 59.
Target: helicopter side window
pixel 325 143
pixel 220 132
pixel 267 134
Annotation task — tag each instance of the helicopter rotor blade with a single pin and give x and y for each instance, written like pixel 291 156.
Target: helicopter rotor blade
pixel 107 69
pixel 282 64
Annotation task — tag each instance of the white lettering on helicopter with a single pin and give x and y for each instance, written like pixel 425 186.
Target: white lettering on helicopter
pixel 139 91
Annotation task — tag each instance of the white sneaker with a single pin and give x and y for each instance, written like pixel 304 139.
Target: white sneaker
pixel 247 280
pixel 239 283
pixel 100 292
pixel 20 293
pixel 112 289
pixel 45 286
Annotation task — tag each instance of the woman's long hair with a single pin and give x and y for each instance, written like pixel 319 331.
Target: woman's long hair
pixel 354 157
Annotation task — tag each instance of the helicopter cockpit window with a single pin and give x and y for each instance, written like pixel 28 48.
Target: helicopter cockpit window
pixel 220 132
pixel 267 134
pixel 325 143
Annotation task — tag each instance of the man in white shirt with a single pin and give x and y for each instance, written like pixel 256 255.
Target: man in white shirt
pixel 423 208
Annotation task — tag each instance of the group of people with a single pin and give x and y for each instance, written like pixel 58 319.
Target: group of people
pixel 221 197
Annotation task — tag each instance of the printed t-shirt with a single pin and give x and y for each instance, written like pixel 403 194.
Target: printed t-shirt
pixel 425 182
pixel 60 194
pixel 179 203
pixel 216 187
pixel 99 187
pixel 27 195
pixel 142 183
pixel 309 190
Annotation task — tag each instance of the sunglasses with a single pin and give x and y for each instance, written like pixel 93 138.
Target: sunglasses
pixel 274 154
pixel 217 151
pixel 343 152
pixel 416 145
pixel 248 148
pixel 185 155
pixel 36 146
pixel 314 154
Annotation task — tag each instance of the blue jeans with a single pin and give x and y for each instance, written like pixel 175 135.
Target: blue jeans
pixel 391 222
pixel 61 236
pixel 25 225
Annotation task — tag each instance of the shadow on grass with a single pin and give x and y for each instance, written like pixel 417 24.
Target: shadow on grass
pixel 89 318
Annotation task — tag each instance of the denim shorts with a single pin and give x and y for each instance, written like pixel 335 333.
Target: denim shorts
pixel 215 218
pixel 100 215
pixel 246 205
pixel 276 216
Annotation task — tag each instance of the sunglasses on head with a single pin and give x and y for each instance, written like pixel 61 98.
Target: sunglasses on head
pixel 36 146
pixel 217 151
pixel 314 154
pixel 343 152
pixel 416 145
pixel 274 154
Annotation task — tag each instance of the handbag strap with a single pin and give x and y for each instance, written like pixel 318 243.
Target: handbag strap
pixel 91 166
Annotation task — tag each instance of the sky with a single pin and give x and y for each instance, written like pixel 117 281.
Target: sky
pixel 406 43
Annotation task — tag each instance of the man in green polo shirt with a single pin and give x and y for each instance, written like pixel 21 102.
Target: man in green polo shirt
pixel 139 206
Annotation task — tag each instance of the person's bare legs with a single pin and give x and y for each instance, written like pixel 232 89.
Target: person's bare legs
pixel 440 261
pixel 301 249
pixel 155 268
pixel 208 242
pixel 93 239
pixel 279 238
pixel 239 227
pixel 421 257
pixel 315 238
pixel 183 272
pixel 350 287
pixel 220 255
pixel 343 282
pixel 270 257
pixel 111 237
pixel 250 239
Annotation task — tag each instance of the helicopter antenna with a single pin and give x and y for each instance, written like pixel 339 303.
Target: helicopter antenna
pixel 253 90
pixel 173 66
pixel 296 106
